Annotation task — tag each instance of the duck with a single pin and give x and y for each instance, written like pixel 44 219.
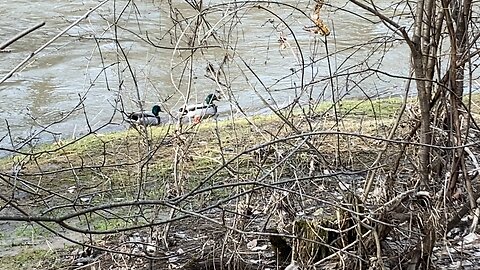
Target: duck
pixel 145 118
pixel 197 112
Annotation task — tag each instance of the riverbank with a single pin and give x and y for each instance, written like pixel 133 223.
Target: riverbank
pixel 164 163
pixel 104 167
pixel 206 144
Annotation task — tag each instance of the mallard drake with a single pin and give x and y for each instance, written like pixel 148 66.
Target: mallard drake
pixel 197 112
pixel 145 118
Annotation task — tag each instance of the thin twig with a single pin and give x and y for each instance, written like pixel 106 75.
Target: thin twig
pixel 20 35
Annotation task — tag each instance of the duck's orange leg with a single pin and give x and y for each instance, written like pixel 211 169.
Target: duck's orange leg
pixel 197 119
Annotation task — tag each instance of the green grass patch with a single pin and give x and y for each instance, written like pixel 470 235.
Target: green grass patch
pixel 30 231
pixel 377 108
pixel 29 258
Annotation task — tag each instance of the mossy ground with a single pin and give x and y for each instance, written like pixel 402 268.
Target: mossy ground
pixel 30 258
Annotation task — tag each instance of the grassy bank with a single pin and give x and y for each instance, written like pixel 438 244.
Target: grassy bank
pixel 197 149
pixel 166 161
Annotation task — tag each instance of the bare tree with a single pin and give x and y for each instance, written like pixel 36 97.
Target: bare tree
pixel 440 82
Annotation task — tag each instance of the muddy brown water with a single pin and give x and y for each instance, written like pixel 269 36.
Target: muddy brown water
pixel 46 92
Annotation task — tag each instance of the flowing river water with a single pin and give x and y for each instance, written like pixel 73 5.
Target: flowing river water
pixel 81 80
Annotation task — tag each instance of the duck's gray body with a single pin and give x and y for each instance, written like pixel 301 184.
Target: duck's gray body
pixel 145 118
pixel 200 111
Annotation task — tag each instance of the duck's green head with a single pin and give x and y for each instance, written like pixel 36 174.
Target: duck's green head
pixel 156 110
pixel 210 98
